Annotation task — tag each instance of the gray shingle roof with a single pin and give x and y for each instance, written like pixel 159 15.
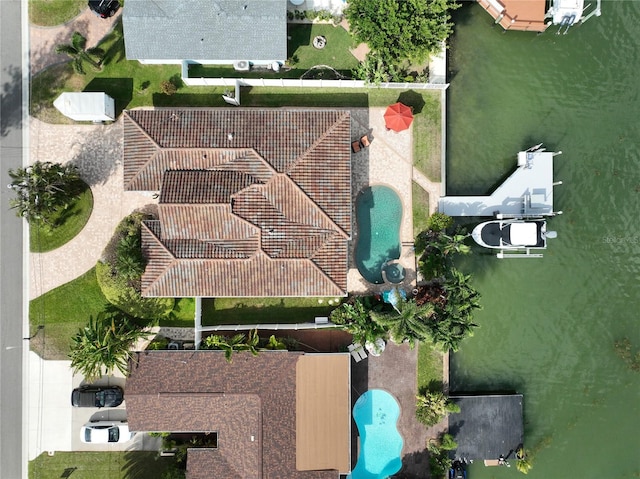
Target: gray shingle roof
pixel 487 426
pixel 205 30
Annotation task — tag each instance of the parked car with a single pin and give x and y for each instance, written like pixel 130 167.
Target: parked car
pixel 106 432
pixel 97 396
pixel 104 8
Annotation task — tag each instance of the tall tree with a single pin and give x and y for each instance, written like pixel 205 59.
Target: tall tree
pixel 408 322
pixel 401 29
pixel 79 53
pixel 103 345
pixel 42 189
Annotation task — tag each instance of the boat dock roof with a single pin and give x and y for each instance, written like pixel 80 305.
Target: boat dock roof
pixel 527 15
pixel 528 192
pixel 487 426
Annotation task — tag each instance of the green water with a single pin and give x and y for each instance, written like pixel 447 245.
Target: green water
pixel 548 326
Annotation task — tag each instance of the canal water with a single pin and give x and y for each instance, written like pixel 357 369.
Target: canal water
pixel 549 325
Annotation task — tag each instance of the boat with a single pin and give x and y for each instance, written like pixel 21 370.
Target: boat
pixel 457 470
pixel 514 237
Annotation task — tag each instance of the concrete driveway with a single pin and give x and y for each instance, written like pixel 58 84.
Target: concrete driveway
pixel 54 425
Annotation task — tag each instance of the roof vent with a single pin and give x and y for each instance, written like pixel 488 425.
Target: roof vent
pixel 241 65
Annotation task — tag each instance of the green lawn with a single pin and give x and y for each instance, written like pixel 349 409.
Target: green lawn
pixel 67 308
pixel 427 135
pixel 429 367
pixel 69 223
pixel 302 56
pixel 420 208
pixel 93 465
pixel 48 13
pixel 264 310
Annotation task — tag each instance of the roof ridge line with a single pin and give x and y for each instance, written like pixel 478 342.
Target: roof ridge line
pixel 173 260
pixel 153 142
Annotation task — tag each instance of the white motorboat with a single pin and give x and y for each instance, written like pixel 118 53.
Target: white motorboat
pixel 515 238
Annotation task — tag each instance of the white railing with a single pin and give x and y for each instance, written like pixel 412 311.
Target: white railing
pixel 304 83
pixel 273 326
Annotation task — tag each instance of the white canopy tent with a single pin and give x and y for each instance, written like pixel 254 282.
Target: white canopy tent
pixel 86 106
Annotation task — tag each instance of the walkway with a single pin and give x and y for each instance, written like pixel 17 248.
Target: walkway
pixel 43 40
pixel 97 151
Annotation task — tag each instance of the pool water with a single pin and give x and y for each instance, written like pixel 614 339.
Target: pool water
pixel 378 213
pixel 376 414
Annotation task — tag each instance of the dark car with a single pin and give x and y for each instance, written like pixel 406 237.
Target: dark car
pixel 457 471
pixel 104 8
pixel 97 396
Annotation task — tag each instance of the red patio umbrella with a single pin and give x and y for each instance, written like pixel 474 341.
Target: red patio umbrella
pixel 398 117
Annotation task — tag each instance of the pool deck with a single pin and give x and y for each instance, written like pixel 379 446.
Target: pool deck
pixel 382 372
pixel 388 161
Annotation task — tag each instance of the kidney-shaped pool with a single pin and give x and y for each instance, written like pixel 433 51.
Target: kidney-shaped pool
pixel 376 414
pixel 378 213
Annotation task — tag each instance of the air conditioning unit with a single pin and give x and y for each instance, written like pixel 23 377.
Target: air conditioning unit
pixel 242 65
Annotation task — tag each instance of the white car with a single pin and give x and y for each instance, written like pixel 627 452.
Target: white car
pixel 106 432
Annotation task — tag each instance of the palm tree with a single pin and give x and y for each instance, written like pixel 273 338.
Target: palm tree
pixel 233 344
pixel 408 322
pixel 454 320
pixel 42 189
pixel 103 345
pixel 79 53
pixel 432 407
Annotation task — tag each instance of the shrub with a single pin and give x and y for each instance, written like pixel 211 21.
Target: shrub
pixel 440 222
pixel 119 293
pixel 432 407
pixel 168 88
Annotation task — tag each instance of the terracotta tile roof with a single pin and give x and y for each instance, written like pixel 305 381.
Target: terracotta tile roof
pixel 199 391
pixel 270 189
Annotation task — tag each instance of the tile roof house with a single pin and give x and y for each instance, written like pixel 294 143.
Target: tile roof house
pixel 208 32
pixel 252 202
pixel 276 415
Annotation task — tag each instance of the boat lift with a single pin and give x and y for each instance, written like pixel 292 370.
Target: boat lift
pixel 567 13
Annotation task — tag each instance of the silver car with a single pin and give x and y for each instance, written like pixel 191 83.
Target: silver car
pixel 106 432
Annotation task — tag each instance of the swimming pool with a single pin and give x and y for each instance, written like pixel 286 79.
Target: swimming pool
pixel 378 213
pixel 376 414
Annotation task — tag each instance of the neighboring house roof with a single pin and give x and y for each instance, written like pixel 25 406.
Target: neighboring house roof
pixel 205 30
pixel 252 202
pixel 487 426
pixel 257 405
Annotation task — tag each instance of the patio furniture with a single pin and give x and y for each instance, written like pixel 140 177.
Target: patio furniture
pixel 364 141
pixel 322 320
pixel 355 146
pixel 357 352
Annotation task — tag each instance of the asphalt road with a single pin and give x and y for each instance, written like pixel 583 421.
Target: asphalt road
pixel 11 257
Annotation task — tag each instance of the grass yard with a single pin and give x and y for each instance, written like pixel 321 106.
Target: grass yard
pixel 420 208
pixel 264 310
pixel 69 223
pixel 92 465
pixel 67 308
pixel 302 56
pixel 48 13
pixel 429 367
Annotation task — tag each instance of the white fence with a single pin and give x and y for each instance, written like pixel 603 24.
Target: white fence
pixel 300 83
pixel 273 326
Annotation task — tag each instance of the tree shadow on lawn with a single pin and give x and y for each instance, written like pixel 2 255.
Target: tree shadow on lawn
pixel 255 97
pixel 120 89
pixel 413 99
